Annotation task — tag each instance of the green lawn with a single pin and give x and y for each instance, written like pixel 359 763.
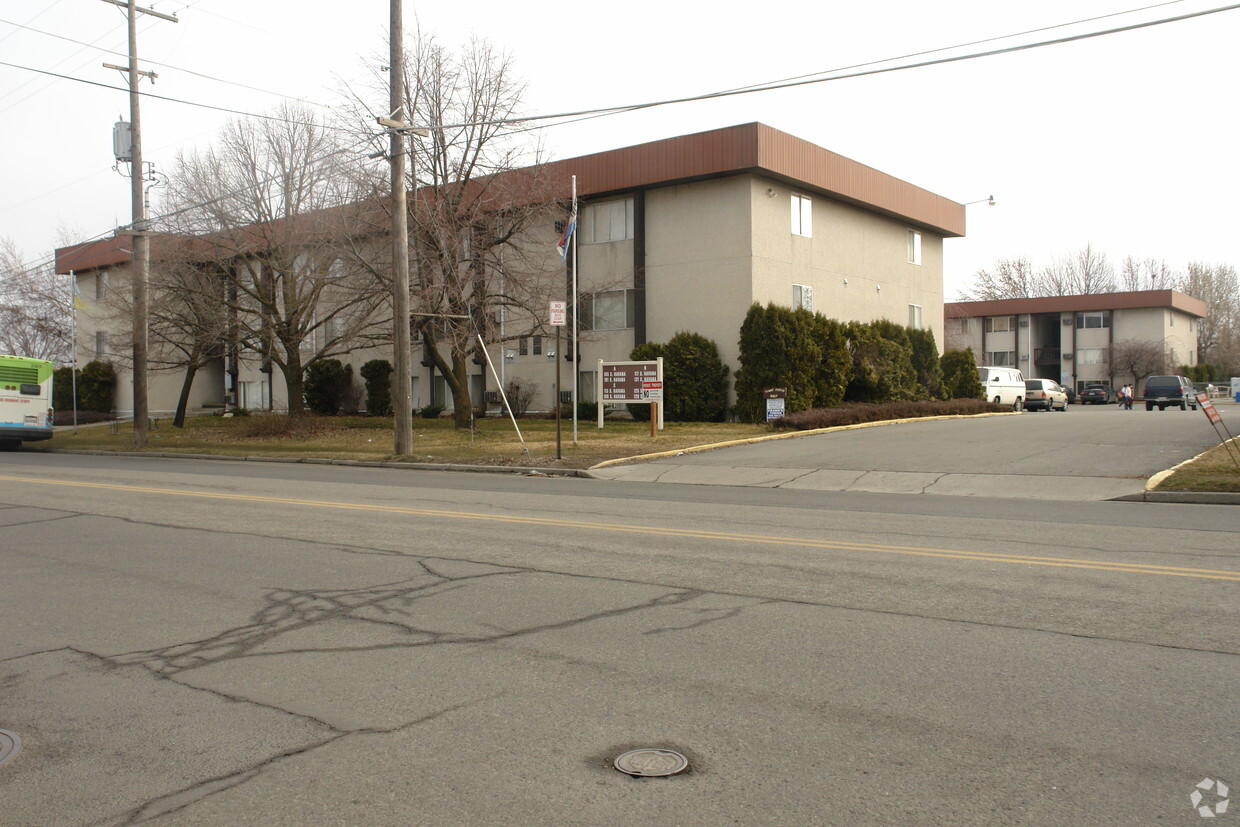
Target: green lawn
pixel 1215 470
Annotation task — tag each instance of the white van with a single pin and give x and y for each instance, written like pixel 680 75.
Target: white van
pixel 1003 386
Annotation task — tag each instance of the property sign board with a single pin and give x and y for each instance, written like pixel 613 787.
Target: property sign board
pixel 620 382
pixel 558 312
pixel 776 401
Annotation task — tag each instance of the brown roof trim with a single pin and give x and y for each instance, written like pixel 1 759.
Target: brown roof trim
pixel 94 255
pixel 760 149
pixel 1094 301
pixel 733 150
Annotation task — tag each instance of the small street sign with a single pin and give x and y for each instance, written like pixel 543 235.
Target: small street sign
pixel 558 313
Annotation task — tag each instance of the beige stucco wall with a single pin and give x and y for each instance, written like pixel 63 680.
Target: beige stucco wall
pixel 856 261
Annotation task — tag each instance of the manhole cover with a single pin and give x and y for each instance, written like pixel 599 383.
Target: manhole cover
pixel 651 762
pixel 10 745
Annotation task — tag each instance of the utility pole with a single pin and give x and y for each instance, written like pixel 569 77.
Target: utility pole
pixel 398 129
pixel 141 240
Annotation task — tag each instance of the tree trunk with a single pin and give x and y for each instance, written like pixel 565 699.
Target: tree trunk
pixel 293 382
pixel 178 421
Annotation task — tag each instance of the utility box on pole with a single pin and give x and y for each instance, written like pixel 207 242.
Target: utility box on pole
pixel 122 141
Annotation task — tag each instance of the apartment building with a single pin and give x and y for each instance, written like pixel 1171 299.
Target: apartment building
pixel 683 234
pixel 1070 338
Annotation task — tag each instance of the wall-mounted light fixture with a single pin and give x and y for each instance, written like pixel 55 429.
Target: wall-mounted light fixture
pixel 878 288
pixel 551 353
pixel 770 192
pixel 845 282
pixel 990 199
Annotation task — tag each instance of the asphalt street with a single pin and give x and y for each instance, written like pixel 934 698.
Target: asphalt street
pixel 198 642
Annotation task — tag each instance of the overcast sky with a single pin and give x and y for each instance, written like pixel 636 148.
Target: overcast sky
pixel 1127 142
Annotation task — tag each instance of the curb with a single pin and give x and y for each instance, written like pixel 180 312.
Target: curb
pixel 527 471
pixel 1195 497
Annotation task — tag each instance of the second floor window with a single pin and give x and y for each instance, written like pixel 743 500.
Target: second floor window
pixel 999 324
pixel 608 221
pixel 1097 318
pixel 802 216
pixel 914 247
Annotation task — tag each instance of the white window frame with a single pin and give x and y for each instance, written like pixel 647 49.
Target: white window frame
pixel 803 296
pixel 1091 356
pixel 101 345
pixel 914 247
pixel 1009 324
pixel 590 319
pixel 606 221
pixel 915 316
pixel 1101 320
pixel 802 215
pixel 1001 358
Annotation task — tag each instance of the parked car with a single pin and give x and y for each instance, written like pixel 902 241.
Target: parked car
pixel 1070 392
pixel 1044 395
pixel 1096 393
pixel 1004 386
pixel 1169 391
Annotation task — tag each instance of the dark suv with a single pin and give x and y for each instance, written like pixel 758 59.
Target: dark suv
pixel 1174 391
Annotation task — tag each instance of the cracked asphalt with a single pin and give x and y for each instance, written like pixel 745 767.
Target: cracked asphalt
pixel 189 642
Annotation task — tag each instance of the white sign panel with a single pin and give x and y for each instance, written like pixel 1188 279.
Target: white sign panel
pixel 558 313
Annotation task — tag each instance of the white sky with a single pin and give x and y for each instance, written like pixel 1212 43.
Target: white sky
pixel 1126 142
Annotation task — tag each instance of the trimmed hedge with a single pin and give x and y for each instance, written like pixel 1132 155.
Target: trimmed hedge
pixel 378 376
pixel 858 412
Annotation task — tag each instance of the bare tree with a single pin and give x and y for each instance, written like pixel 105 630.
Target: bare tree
pixel 1082 273
pixel 274 211
pixel 1011 278
pixel 478 190
pixel 36 316
pixel 1218 334
pixel 1138 358
pixel 1148 274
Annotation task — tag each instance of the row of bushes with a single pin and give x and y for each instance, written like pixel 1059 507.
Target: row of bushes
pixel 823 363
pixel 96 388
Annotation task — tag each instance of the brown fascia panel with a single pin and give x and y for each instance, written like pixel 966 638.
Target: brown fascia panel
pixel 1140 299
pixel 762 150
pixel 746 148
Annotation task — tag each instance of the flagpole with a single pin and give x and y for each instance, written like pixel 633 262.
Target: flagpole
pixel 576 310
pixel 73 305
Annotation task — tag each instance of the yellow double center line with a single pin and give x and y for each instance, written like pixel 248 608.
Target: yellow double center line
pixel 760 539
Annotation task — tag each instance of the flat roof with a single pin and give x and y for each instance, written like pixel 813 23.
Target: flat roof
pixel 1094 301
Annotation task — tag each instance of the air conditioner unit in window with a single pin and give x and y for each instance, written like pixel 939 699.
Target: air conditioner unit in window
pixel 1024 357
pixel 1024 322
pixel 1067 357
pixel 1067 323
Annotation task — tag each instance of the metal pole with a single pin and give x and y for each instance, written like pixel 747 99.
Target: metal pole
pixel 559 408
pixel 576 310
pixel 402 397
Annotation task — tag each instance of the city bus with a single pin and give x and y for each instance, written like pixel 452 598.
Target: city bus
pixel 25 400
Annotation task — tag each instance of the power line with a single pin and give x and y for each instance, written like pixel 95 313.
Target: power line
pixel 812 79
pixel 166 97
pixel 165 65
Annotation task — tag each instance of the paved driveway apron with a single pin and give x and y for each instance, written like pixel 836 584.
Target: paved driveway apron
pixel 1089 453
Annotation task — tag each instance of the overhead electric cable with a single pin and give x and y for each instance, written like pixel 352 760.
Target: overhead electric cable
pixel 167 65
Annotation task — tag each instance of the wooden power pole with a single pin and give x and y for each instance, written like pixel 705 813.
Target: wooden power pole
pixel 141 239
pixel 402 398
